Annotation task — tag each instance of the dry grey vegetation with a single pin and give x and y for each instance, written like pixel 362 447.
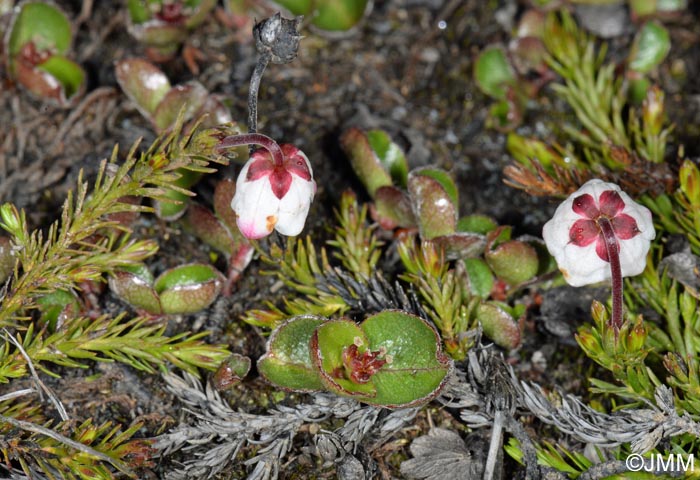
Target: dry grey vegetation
pixel 485 391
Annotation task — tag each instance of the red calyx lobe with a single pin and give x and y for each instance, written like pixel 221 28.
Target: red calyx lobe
pixel 587 230
pixel 362 365
pixel 280 175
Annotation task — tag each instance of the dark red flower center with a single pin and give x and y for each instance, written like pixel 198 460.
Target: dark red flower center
pixel 361 366
pixel 171 13
pixel 31 56
pixel 280 176
pixel 587 230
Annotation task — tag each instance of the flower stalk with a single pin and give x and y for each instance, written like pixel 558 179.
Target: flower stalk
pixel 254 139
pixel 612 246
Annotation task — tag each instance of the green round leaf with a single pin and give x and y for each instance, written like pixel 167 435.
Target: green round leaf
pixel 144 83
pixel 188 98
pixel 134 286
pixel 328 344
pixel 498 325
pixel 338 15
pixel 651 45
pixel 188 288
pixel 138 11
pixel 513 262
pixel 461 245
pixel 434 207
pixel 68 73
pixel 418 369
pixel 482 224
pixel 53 304
pixel 231 372
pixel 43 24
pixel 492 72
pixel 480 277
pixel 297 7
pixel 392 208
pixel 185 276
pixel 287 362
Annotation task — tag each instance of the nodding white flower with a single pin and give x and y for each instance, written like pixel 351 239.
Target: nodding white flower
pixel 576 235
pixel 272 194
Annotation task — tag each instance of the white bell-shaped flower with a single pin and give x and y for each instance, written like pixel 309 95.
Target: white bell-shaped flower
pixel 272 195
pixel 575 238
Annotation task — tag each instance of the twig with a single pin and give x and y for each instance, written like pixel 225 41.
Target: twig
pixel 17 394
pixel 255 79
pixel 52 396
pixel 31 427
pixel 495 445
pixel 78 112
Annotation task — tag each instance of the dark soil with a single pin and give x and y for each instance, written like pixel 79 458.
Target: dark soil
pixel 398 70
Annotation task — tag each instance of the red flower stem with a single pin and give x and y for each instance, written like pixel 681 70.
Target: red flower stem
pixel 613 248
pixel 254 139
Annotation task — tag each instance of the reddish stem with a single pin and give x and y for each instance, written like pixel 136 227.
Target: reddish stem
pixel 613 248
pixel 254 139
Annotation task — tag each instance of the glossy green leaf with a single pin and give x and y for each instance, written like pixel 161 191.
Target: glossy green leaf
pixel 392 208
pixel 415 371
pixel 297 7
pixel 444 179
pixel 651 45
pixel 188 288
pixel 338 15
pixel 418 369
pixel 328 345
pixel 287 362
pixel 134 285
pixel 475 223
pixel 514 261
pixel 55 304
pixel 45 25
pixel 138 11
pixel 231 372
pixel 187 99
pixel 498 325
pixel 436 212
pixel 479 276
pixel 364 160
pixel 390 156
pixel 461 245
pixel 144 83
pixel 492 72
pixel 70 75
pixel 172 210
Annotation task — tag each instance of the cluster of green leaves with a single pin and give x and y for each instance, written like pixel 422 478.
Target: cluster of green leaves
pixel 604 142
pixel 442 293
pixel 628 149
pixel 454 296
pixel 88 242
pixel 679 212
pixel 85 453
pixel 298 266
pixel 675 342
